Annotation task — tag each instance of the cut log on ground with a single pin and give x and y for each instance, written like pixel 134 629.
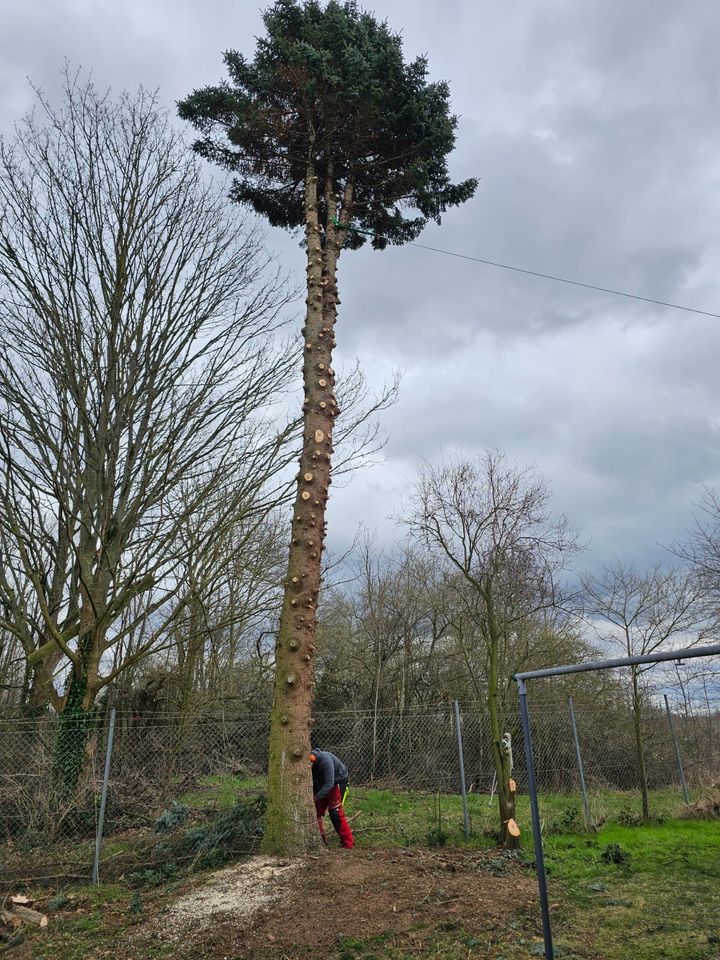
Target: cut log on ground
pixel 27 915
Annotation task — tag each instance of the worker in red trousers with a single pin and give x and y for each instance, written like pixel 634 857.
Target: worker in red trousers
pixel 330 782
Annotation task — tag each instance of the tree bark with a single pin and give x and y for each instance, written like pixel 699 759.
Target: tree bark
pixel 290 825
pixel 77 721
pixel 38 692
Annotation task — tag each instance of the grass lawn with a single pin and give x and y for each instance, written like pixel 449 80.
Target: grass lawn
pixel 409 818
pixel 221 791
pixel 640 892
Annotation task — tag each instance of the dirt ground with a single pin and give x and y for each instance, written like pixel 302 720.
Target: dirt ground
pixel 327 906
pixel 263 909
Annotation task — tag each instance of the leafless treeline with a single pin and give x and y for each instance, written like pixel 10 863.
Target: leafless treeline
pixel 145 445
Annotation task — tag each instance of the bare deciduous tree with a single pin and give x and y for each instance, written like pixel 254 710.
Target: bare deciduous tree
pixel 139 366
pixel 490 523
pixel 701 550
pixel 639 613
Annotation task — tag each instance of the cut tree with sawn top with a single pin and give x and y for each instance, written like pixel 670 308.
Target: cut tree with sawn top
pixel 329 130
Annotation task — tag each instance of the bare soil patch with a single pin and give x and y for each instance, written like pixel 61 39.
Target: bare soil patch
pixel 262 909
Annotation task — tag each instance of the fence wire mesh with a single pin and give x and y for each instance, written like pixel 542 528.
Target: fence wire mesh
pixel 48 825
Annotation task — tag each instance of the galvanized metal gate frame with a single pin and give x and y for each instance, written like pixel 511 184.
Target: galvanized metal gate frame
pixel 521 679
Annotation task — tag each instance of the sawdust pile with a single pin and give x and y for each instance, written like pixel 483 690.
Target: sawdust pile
pixel 240 891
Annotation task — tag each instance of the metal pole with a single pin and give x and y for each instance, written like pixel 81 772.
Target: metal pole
pixel 687 653
pixel 578 758
pixel 678 755
pixel 535 811
pixel 103 798
pixel 461 760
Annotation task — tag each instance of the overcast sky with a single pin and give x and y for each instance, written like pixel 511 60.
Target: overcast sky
pixel 594 129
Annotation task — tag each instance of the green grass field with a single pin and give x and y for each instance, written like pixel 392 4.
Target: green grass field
pixel 406 812
pixel 397 819
pixel 662 899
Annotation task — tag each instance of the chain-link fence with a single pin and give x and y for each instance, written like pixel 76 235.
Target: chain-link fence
pixel 49 817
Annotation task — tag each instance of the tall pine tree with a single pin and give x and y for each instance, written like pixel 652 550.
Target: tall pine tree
pixel 329 130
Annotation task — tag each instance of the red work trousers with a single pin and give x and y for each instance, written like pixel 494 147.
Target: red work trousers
pixel 332 804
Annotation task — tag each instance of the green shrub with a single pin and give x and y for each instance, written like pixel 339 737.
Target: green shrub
pixel 172 818
pixel 437 836
pixel 631 818
pixel 235 832
pixel 572 818
pixel 153 876
pixel 614 853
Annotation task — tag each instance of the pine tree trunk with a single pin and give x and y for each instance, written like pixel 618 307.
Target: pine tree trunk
pixel 290 825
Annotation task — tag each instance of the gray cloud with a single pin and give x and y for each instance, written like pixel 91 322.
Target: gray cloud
pixel 594 130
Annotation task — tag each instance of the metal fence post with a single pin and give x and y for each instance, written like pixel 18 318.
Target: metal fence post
pixel 103 798
pixel 535 812
pixel 578 758
pixel 461 760
pixel 678 755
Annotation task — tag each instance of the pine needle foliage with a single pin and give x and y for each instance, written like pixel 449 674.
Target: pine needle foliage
pixel 328 84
